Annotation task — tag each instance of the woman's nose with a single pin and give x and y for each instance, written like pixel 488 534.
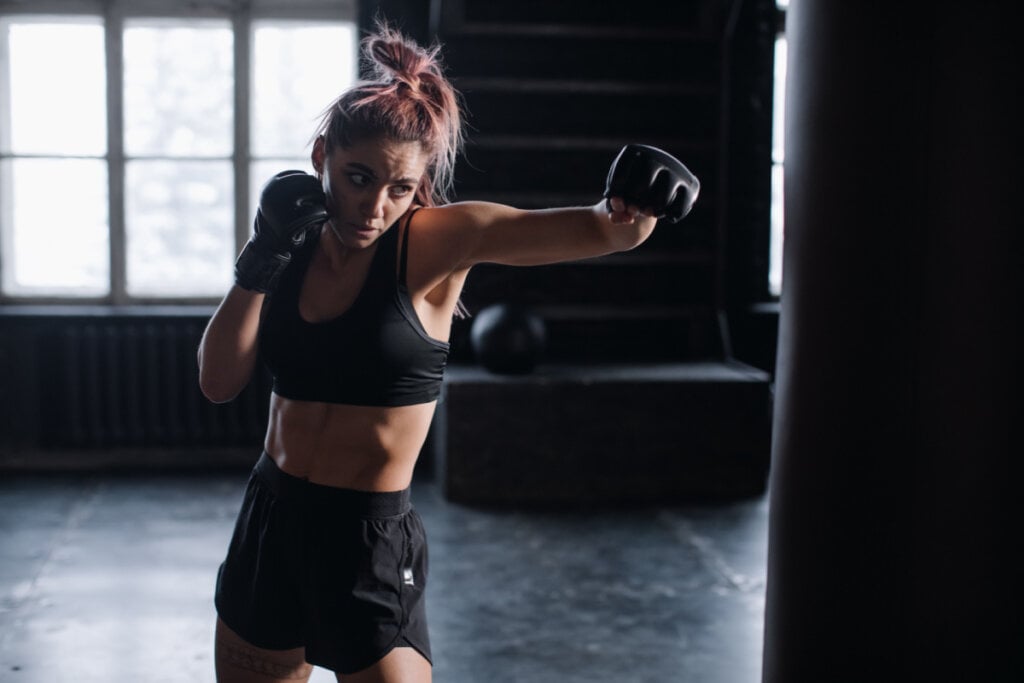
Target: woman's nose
pixel 373 207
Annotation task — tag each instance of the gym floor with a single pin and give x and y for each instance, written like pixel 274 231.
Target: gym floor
pixel 110 578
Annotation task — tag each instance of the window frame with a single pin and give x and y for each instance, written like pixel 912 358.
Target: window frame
pixel 112 15
pixel 777 219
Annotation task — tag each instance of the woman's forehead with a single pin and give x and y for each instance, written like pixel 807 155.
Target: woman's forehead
pixel 387 159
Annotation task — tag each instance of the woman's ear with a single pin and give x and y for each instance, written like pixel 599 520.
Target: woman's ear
pixel 319 156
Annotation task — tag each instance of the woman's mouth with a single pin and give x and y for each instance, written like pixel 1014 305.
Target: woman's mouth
pixel 346 231
pixel 362 230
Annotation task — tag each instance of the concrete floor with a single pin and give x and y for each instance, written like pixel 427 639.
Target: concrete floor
pixel 110 578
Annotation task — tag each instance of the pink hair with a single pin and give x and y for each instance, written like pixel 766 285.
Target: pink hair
pixel 407 99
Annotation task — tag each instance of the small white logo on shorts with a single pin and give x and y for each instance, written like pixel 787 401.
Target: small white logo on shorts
pixel 407 577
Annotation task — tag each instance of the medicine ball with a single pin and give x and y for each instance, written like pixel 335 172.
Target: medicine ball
pixel 508 339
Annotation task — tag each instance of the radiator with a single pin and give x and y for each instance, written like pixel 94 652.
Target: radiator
pixel 132 382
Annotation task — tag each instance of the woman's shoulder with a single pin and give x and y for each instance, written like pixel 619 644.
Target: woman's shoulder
pixel 456 216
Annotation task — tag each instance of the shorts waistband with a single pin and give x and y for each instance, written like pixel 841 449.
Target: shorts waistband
pixel 373 504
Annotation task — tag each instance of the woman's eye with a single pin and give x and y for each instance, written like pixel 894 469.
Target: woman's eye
pixel 358 179
pixel 400 190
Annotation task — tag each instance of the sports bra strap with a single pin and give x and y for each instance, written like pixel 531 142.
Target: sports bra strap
pixel 403 257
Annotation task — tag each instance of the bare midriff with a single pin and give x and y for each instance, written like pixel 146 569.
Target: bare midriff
pixel 367 448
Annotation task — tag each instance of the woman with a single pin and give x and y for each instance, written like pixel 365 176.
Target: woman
pixel 347 290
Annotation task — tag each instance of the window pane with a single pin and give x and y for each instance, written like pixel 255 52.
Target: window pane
pixel 779 102
pixel 58 88
pixel 298 69
pixel 777 235
pixel 179 228
pixel 178 92
pixel 48 252
pixel 778 158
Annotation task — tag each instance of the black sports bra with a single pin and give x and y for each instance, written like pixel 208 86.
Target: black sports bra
pixel 376 353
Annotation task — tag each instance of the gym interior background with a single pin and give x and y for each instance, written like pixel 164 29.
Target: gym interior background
pixel 653 390
pixel 553 90
pixel 883 388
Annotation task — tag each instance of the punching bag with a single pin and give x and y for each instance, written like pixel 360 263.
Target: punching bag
pixel 894 520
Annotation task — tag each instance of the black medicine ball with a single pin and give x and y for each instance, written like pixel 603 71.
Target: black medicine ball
pixel 508 339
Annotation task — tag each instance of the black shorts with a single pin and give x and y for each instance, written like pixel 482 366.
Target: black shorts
pixel 339 572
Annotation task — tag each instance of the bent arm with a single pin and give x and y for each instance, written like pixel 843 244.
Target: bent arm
pixel 229 348
pixel 482 232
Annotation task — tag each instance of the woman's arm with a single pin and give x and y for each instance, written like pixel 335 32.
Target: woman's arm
pixel 643 183
pixel 229 348
pixel 482 232
pixel 291 203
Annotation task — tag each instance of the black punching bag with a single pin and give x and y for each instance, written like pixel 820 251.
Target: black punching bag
pixel 895 492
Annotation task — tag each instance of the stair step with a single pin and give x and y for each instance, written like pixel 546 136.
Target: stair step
pixel 530 164
pixel 570 86
pixel 635 333
pixel 599 284
pixel 611 145
pixel 632 313
pixel 580 13
pixel 574 30
pixel 607 56
pixel 686 115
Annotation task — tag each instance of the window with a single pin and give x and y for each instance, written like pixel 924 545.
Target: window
pixel 53 134
pixel 778 159
pixel 178 124
pixel 132 156
pixel 293 63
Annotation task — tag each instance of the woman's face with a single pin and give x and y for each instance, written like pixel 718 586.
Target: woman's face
pixel 368 186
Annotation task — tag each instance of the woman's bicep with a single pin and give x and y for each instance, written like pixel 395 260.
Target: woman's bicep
pixel 481 232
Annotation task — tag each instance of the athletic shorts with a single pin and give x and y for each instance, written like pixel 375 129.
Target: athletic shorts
pixel 339 572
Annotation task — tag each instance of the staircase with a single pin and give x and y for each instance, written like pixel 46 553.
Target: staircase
pixel 553 90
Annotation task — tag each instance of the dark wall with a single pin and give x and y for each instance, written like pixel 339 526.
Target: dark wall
pixel 412 17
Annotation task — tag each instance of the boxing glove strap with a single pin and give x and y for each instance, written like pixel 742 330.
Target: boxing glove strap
pixel 259 270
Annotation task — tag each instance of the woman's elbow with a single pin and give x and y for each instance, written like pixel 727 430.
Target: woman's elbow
pixel 216 390
pixel 218 386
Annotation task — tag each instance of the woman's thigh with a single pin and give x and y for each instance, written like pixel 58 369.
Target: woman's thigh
pixel 401 665
pixel 239 662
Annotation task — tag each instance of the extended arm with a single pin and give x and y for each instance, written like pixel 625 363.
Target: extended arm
pixel 493 233
pixel 644 184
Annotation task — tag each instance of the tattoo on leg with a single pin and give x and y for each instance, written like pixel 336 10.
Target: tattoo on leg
pixel 251 659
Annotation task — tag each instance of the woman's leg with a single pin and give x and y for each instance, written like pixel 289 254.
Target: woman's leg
pixel 401 665
pixel 239 662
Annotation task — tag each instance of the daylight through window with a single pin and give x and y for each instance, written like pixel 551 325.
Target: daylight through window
pixel 126 186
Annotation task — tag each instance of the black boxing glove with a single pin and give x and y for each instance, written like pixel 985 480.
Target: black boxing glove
pixel 649 178
pixel 291 203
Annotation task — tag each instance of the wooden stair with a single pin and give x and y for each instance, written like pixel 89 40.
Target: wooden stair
pixel 637 397
pixel 553 91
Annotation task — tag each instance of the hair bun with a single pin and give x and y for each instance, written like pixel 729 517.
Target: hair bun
pixel 392 57
pixel 403 96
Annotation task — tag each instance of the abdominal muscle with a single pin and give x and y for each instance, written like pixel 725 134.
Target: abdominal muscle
pixel 367 448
